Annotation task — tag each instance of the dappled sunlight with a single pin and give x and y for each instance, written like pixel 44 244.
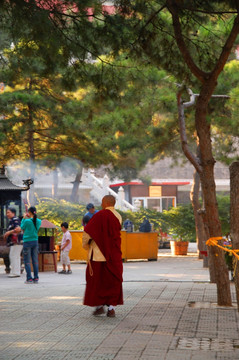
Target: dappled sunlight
pixel 135 267
pixel 13 333
pixel 25 344
pixel 144 331
pixel 176 275
pixel 64 297
pixel 73 300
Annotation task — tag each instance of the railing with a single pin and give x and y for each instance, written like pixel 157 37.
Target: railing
pixel 100 188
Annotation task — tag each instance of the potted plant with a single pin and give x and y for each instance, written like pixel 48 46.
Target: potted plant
pixel 178 245
pixel 179 222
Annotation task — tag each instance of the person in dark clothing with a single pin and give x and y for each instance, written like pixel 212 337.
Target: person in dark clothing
pixel 14 240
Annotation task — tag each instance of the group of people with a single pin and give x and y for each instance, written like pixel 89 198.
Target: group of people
pixel 26 242
pixel 102 240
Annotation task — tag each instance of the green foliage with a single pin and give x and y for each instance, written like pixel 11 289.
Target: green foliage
pixel 176 221
pixel 203 25
pixel 180 221
pixel 224 212
pixel 229 260
pixel 48 119
pixel 154 217
pixel 58 211
pixel 127 112
pixel 118 115
pixel 224 115
pixel 122 114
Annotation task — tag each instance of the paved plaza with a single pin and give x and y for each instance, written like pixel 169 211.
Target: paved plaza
pixel 170 313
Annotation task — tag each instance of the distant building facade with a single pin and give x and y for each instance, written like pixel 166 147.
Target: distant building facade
pixel 161 195
pixel 170 185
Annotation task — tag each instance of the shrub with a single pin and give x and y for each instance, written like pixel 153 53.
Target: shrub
pixel 179 220
pixel 57 211
pixel 137 218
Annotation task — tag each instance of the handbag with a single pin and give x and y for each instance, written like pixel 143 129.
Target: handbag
pixel 12 239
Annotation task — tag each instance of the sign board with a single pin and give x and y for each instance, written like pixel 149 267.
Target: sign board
pixel 155 191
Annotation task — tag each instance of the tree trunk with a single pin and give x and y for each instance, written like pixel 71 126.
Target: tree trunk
pixel 31 155
pixel 76 184
pixel 31 196
pixel 201 237
pixel 234 219
pixel 196 162
pixel 209 193
pixel 212 271
pixel 206 166
pixel 55 183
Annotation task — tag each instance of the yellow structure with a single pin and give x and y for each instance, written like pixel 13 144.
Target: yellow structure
pixel 77 252
pixel 135 245
pixel 139 245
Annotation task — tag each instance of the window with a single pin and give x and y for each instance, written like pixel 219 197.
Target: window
pixel 154 203
pixel 159 204
pixel 167 203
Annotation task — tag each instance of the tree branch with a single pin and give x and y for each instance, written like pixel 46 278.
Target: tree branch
pixel 150 19
pixel 189 155
pixel 226 50
pixel 200 75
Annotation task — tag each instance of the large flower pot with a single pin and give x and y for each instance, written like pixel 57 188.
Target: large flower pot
pixel 179 247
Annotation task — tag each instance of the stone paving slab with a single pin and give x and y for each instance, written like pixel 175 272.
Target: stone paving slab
pixel 169 314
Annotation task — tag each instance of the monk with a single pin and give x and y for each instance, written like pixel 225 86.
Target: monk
pixel 104 272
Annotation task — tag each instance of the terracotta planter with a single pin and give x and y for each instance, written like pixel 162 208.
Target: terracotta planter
pixel 179 247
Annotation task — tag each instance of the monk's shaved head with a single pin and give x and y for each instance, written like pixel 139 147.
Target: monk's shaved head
pixel 108 200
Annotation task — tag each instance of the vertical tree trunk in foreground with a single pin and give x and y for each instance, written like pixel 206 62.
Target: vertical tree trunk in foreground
pixel 197 163
pixel 201 237
pixel 212 270
pixel 194 197
pixel 234 219
pixel 206 166
pixel 209 193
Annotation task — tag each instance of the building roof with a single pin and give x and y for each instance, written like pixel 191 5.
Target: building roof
pixel 154 183
pixel 7 185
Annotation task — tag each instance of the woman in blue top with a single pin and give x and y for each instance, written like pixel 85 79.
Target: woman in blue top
pixel 30 224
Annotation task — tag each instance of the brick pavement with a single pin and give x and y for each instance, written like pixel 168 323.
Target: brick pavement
pixel 170 313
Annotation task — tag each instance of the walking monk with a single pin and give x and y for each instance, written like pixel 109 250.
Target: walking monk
pixel 104 272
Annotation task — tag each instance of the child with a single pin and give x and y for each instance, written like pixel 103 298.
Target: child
pixel 66 245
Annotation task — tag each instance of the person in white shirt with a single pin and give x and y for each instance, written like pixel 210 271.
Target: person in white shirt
pixel 66 245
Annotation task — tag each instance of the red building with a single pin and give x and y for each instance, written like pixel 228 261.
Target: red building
pixel 158 195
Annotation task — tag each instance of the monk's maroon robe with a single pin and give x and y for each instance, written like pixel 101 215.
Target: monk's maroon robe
pixel 104 287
